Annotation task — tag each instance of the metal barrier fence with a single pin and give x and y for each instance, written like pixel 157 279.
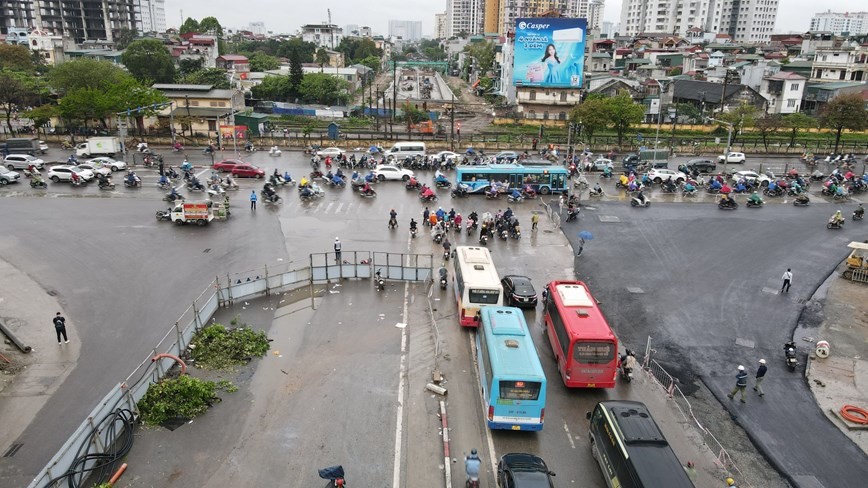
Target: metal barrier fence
pixel 673 391
pixel 220 292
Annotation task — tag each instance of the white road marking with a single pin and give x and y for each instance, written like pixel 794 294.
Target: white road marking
pixel 569 436
pixel 402 375
pixel 329 207
pixel 340 206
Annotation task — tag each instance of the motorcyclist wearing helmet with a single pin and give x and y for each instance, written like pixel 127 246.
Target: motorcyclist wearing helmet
pixel 641 196
pixel 837 218
pixel 515 194
pixel 472 463
pixel 441 214
pixel 755 198
pixel 860 211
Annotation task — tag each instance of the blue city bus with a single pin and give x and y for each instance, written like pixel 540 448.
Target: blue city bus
pixel 510 373
pixel 543 179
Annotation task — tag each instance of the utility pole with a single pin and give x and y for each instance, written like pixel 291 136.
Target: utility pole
pixel 394 88
pixel 452 121
pixel 377 113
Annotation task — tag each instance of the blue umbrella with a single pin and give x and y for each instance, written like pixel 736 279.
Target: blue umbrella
pixel 470 150
pixel 374 149
pixel 585 235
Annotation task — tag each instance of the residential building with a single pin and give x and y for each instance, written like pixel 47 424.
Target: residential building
pixel 351 75
pixel 706 96
pixel 323 35
pixel 607 29
pixel 783 91
pixel 505 58
pixel 491 16
pixel 546 103
pixel 464 17
pixel 595 14
pixel 153 16
pixel 743 20
pixel 440 26
pixel 852 23
pixel 17 35
pixel 76 19
pixel 233 62
pixel 196 46
pixel 50 47
pixel 818 94
pixel 257 28
pixel 109 55
pixel 845 63
pixel 351 30
pixel 513 9
pixel 200 109
pixel 408 30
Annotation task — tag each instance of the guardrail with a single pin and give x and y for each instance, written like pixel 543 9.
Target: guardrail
pixel 92 441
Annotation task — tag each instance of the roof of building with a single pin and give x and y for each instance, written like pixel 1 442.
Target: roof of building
pixel 233 57
pixel 105 53
pixel 601 55
pixel 800 64
pixel 177 86
pixel 836 85
pixel 785 75
pixel 639 61
pixel 200 111
pixel 703 90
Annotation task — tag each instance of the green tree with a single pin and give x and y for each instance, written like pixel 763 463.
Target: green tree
pixel 796 121
pixel 190 65
pixel 16 58
pixel 17 90
pixel 148 59
pixel 688 112
pixel 211 25
pixel 84 73
pixel 207 76
pixel 355 49
pixel 190 25
pixel 741 117
pixel 484 54
pixel 372 62
pixel 42 115
pixel 590 115
pixel 768 126
pixel 844 112
pixel 322 58
pixel 324 88
pixel 623 113
pixel 260 61
pixel 273 88
pixel 125 37
pixel 296 74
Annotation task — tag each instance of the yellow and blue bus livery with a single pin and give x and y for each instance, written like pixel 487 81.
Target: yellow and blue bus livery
pixel 510 373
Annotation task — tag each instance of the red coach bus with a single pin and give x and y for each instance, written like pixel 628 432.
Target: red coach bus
pixel 584 345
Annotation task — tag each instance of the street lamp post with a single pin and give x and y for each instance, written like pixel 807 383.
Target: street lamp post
pixel 728 140
pixel 659 115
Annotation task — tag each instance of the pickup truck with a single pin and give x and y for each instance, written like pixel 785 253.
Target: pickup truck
pixel 199 213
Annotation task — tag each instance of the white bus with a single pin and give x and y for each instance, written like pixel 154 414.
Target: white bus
pixel 476 283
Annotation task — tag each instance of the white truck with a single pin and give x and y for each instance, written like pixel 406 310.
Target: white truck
pixel 199 213
pixel 99 146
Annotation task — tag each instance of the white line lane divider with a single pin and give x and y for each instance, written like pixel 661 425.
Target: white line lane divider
pixel 447 457
pixel 402 375
pixel 488 438
pixel 569 436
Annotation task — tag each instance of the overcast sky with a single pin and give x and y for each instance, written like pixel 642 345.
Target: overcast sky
pixel 282 16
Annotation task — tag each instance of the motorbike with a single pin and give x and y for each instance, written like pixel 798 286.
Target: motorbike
pixel 635 202
pixel 790 355
pixel 628 361
pixel 444 278
pixel 271 197
pixel 413 185
pixel 857 216
pixel 171 173
pixel 445 255
pixel 437 235
pixel 572 214
pixel 229 184
pixel 66 145
pixel 492 195
pixel 335 474
pixel 164 214
pixel 195 186
pixel 443 184
pixel 751 204
pixel 413 232
pixel 483 239
pixel 471 226
pixel 728 204
pixel 393 223
pixel 367 194
pixel 164 185
pixel 514 198
pixel 133 183
pixel 30 173
pixel 173 197
pixel 38 184
pixel 379 282
pixel 106 185
pixel 504 234
pixel 274 151
pixel 78 182
pixel 802 202
pixel 428 198
pixel 459 192
pixel 178 147
pixel 595 193
pixel 834 224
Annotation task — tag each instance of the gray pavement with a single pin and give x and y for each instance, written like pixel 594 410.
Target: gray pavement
pixel 703 284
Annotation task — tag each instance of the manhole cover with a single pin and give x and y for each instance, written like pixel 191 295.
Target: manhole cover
pixel 744 342
pixel 609 219
pixel 635 290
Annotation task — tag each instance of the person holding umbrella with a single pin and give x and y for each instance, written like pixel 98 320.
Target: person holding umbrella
pixel 583 236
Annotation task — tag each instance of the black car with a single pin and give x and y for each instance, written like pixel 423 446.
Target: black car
pixel 518 470
pixel 702 165
pixel 518 291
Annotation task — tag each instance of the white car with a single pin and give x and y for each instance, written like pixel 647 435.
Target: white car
pixel 751 176
pixel 330 151
pixel 658 175
pixel 22 161
pixel 108 163
pixel 96 168
pixel 8 176
pixel 733 157
pixel 64 172
pixel 600 164
pixel 446 156
pixel 385 172
pixel 43 147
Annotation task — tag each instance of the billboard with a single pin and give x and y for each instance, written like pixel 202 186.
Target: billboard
pixel 549 52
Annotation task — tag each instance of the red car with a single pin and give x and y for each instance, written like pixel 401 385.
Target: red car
pixel 227 164
pixel 248 171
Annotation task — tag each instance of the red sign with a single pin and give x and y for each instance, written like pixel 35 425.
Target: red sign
pixel 233 131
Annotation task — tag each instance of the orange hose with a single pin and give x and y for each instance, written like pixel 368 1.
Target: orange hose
pixel 855 414
pixel 114 479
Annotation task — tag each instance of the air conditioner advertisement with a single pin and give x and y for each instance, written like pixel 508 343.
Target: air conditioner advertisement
pixel 549 52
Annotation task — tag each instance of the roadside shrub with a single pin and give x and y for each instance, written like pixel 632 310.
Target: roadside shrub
pixel 172 399
pixel 219 347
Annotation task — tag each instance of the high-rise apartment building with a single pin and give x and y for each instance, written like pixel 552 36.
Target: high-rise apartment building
pixel 440 26
pixel 853 23
pixel 465 17
pixel 742 20
pixel 509 10
pixel 152 15
pixel 77 19
pixel 408 30
pixel 595 14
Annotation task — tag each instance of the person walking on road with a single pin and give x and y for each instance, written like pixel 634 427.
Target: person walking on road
pixel 253 200
pixel 740 384
pixel 760 376
pixel 788 278
pixel 534 221
pixel 337 250
pixel 60 328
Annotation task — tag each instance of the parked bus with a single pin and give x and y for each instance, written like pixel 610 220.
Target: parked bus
pixel 585 348
pixel 543 179
pixel 476 283
pixel 631 450
pixel 511 376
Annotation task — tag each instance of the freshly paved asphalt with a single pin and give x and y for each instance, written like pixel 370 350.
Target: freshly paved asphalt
pixel 703 285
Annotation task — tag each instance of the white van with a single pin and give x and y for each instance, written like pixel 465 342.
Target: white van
pixel 403 149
